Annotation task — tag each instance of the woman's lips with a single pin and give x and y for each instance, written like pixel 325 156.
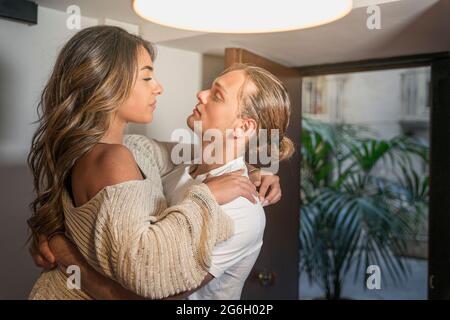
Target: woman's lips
pixel 195 111
pixel 153 105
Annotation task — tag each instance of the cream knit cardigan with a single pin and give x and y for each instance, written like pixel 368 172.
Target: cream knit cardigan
pixel 127 233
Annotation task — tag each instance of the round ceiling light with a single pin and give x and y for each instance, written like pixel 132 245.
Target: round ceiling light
pixel 242 16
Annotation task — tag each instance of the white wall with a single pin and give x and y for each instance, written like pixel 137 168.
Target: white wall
pixel 182 74
pixel 27 55
pixel 212 67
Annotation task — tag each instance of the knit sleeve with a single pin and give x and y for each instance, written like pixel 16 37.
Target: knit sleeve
pixel 164 254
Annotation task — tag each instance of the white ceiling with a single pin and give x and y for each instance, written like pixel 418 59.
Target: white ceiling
pixel 408 27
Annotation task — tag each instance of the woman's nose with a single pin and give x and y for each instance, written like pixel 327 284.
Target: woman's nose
pixel 158 89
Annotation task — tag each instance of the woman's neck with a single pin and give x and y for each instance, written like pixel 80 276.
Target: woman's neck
pixel 115 133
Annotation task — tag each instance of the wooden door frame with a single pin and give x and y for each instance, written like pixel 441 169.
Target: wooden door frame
pixel 439 205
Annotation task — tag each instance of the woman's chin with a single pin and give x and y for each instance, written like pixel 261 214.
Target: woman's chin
pixel 144 120
pixel 149 120
pixel 190 122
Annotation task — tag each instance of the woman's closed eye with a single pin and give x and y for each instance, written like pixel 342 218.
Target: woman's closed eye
pixel 147 79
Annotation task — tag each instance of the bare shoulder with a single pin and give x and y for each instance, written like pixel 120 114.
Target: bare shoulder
pixel 105 165
pixel 115 164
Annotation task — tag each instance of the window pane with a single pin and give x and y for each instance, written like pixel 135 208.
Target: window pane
pixel 364 185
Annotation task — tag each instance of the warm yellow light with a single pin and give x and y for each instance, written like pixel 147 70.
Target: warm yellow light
pixel 242 16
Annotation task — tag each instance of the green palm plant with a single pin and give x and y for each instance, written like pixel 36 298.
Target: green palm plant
pixel 352 211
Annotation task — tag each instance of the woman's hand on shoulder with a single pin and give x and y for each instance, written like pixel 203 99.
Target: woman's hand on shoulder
pixel 230 186
pixel 268 184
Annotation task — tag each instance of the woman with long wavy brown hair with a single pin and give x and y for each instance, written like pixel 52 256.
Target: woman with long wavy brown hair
pixel 103 189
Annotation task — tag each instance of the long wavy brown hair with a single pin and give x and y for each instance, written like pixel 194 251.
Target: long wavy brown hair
pixel 93 76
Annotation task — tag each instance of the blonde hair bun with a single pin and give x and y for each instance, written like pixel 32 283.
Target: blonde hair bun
pixel 286 149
